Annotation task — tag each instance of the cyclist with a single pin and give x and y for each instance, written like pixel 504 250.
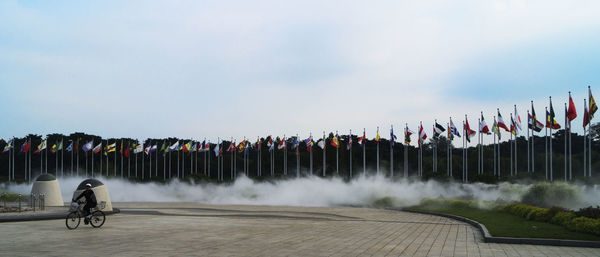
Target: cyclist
pixel 90 201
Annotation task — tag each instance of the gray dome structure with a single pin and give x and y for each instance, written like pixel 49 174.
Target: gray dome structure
pixel 47 185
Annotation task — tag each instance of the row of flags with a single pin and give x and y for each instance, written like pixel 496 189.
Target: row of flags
pixel 438 129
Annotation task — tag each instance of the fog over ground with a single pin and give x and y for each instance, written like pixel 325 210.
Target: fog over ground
pixel 308 191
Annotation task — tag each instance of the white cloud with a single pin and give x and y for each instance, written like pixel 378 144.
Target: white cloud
pixel 195 69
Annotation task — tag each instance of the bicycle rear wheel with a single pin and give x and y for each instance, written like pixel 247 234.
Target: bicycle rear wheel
pixel 97 219
pixel 72 221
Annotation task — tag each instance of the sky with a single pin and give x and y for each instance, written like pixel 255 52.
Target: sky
pixel 235 69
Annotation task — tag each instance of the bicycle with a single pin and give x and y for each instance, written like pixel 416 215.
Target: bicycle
pixel 96 216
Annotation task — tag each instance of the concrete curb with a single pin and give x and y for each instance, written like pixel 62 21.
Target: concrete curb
pixel 488 238
pixel 44 216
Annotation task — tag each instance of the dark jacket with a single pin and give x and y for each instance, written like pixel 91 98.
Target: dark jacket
pixel 90 197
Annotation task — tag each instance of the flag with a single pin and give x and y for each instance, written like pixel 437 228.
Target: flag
pixel 571 112
pixel 335 142
pixel 407 133
pixel 8 146
pixel 349 145
pixel 202 147
pixel 377 138
pixel 593 107
pixel 138 149
pixel 449 132
pixel 217 150
pixel 586 117
pixel 154 148
pixel 59 146
pixel 392 137
pixel 533 117
pixel 270 143
pixel 112 147
pixel 483 127
pixel 438 129
pixel 188 147
pixel 147 148
pixel 550 121
pixel 501 123
pixel 454 129
pixel 282 144
pixel 25 147
pixel 163 148
pixel 42 146
pixel 76 146
pixel 362 140
pixel 517 119
pixel 538 125
pixel 321 143
pixel 53 148
pixel 121 148
pixel 231 147
pixel 513 126
pixel 98 148
pixel 309 143
pixel 174 146
pixel 496 130
pixel 469 132
pixel 193 147
pixel 242 146
pixel 127 152
pixel 422 135
pixel 88 146
pixel 295 143
pixel 70 147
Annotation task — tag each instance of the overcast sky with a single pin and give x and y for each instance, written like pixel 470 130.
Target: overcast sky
pixel 208 69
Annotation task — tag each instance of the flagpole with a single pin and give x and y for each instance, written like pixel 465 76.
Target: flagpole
pixel 590 133
pixel 324 155
pixel 479 147
pixel 337 156
pixel 136 156
pixel 311 154
pixel 86 161
pixel 143 160
pixel 232 156
pixel 206 155
pixel 77 167
pixel 495 147
pixel 107 164
pixel 534 125
pixel 528 140
pixel 551 127
pixel 377 152
pixel 46 164
pixel 31 152
pixel 297 157
pixel 566 153
pixel 434 162
pixel 350 140
pixel 94 158
pixel 516 139
pixel 420 159
pixel 464 152
pixel 448 151
pixel 364 146
pixel 510 143
pixel 405 152
pixel 25 166
pixel 115 161
pixel 546 144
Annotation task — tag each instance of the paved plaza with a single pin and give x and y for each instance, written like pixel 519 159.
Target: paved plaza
pixel 192 229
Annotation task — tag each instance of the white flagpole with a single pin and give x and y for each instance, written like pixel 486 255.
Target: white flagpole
pixel 479 147
pixel 364 148
pixel 349 140
pixel 86 161
pixel 405 152
pixel 297 156
pixel 94 158
pixel 510 143
pixel 546 144
pixel 143 160
pixel 516 140
pixel 589 135
pixel 528 145
pixel 324 155
pixel 495 146
pixel 136 155
pixel 584 144
pixel 533 140
pixel 552 122
pixel 115 172
pixel 377 152
pixel 566 153
pixel 311 155
pixel 75 148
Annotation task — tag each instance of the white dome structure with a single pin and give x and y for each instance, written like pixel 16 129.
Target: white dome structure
pixel 100 190
pixel 47 185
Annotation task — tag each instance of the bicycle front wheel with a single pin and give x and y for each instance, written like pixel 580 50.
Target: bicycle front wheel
pixel 97 219
pixel 73 220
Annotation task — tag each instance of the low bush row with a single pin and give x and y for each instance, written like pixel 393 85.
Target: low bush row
pixel 557 215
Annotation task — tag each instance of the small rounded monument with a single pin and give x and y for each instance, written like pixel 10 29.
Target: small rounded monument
pixel 100 190
pixel 47 185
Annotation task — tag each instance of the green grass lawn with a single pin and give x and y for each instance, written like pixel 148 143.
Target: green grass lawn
pixel 502 224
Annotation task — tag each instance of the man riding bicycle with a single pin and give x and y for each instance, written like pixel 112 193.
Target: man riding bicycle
pixel 90 201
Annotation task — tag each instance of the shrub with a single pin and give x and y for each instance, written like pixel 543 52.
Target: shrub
pixel 563 218
pixel 550 194
pixel 584 224
pixel 589 212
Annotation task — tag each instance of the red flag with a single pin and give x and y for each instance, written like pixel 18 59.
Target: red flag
pixel 571 112
pixel 26 147
pixel 586 117
pixel 127 152
pixel 76 147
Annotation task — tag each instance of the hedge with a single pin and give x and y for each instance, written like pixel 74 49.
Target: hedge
pixel 556 215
